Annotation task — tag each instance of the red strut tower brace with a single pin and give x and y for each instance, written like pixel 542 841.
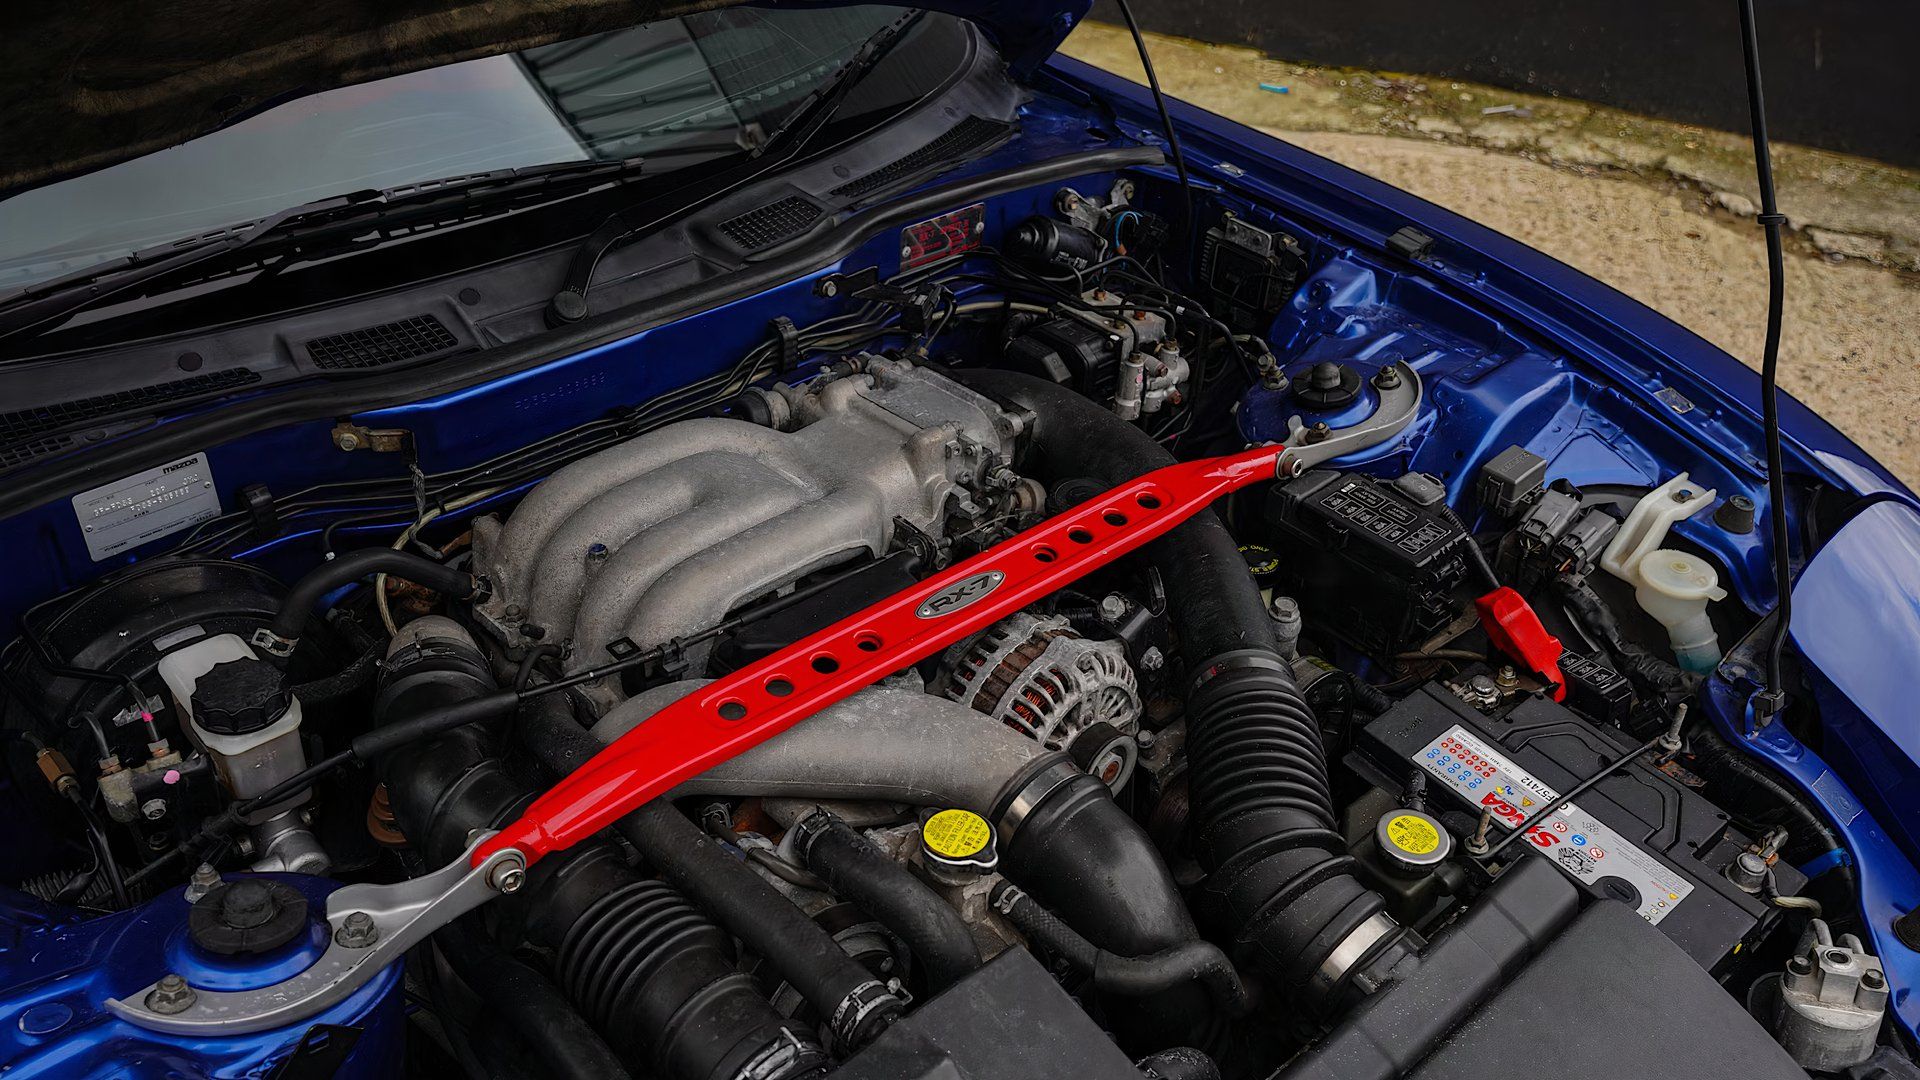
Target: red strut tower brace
pixel 757 702
pixel 735 713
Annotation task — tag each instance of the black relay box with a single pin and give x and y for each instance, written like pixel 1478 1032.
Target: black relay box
pixel 1377 563
pixel 1639 836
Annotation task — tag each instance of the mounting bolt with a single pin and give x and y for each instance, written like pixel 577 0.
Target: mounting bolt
pixel 508 877
pixel 1670 740
pixel 346 440
pixel 1318 432
pixel 1152 659
pixel 1113 607
pixel 1477 843
pixel 171 995
pixel 828 288
pixel 205 878
pixel 357 931
pixel 153 809
pixel 1145 739
pixel 1388 377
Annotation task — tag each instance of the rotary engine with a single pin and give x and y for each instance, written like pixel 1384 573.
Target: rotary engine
pixel 877 463
pixel 660 539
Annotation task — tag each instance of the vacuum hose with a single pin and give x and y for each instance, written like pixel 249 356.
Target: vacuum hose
pixel 1279 877
pixel 297 608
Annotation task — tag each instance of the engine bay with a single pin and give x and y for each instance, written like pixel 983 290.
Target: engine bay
pixel 1259 799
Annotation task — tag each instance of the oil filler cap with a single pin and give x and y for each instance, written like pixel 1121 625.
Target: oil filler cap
pixel 1412 841
pixel 247 917
pixel 957 845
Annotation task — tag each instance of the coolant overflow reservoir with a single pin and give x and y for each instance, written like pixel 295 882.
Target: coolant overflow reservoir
pixel 1672 586
pixel 1675 587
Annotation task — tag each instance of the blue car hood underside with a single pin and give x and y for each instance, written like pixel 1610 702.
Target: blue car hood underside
pixel 92 83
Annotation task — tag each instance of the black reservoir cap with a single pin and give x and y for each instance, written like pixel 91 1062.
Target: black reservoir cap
pixel 238 697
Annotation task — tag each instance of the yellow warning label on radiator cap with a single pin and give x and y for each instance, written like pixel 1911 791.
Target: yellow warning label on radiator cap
pixel 956 834
pixel 1413 834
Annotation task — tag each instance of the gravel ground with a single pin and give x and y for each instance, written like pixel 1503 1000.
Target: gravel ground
pixel 1647 219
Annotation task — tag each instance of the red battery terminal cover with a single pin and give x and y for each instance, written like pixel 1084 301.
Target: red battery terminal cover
pixel 1515 629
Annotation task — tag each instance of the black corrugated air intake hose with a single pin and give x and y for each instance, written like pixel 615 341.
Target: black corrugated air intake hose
pixel 655 979
pixel 855 1006
pixel 1279 878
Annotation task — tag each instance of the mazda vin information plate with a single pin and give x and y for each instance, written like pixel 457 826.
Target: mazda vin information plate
pixel 146 506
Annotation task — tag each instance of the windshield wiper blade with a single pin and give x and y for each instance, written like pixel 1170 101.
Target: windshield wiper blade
pixel 473 194
pixel 782 145
pixel 816 109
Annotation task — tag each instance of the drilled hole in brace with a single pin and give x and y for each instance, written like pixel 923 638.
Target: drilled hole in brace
pixel 1043 553
pixel 825 665
pixel 1080 536
pixel 868 642
pixel 733 710
pixel 1147 501
pixel 1114 518
pixel 779 687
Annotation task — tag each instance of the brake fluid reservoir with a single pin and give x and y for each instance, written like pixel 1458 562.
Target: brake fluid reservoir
pixel 237 708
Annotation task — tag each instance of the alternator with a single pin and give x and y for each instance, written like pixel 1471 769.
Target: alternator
pixel 1037 676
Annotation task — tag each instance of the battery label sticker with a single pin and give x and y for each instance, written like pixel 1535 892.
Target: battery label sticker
pixel 1580 844
pixel 146 506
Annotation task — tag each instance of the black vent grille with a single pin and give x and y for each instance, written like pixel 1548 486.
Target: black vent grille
pixel 966 138
pixel 27 423
pixel 771 223
pixel 21 453
pixel 388 343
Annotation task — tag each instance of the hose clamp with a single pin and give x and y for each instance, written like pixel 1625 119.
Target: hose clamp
pixel 1037 788
pixel 782 1057
pixel 850 1016
pixel 1352 949
pixel 273 644
pixel 1239 660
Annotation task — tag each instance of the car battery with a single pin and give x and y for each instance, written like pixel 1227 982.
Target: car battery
pixel 1639 836
pixel 1375 563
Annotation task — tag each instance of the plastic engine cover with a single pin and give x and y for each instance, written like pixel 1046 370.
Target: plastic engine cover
pixel 1611 997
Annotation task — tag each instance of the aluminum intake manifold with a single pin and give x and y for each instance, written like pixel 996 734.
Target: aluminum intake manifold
pixel 662 536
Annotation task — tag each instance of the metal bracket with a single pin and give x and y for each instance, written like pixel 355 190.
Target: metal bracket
pixel 348 436
pixel 1400 391
pixel 402 914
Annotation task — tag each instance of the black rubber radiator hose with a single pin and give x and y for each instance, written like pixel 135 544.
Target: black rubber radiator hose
pixel 1264 829
pixel 859 871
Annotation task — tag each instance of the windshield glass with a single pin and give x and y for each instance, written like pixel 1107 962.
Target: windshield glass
pixel 676 92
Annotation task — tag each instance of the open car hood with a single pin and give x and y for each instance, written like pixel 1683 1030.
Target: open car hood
pixel 90 83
